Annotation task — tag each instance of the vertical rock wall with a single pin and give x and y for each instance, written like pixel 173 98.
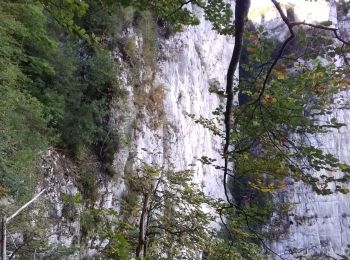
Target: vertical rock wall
pixel 319 226
pixel 190 62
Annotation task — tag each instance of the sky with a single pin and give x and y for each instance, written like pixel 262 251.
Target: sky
pixel 309 11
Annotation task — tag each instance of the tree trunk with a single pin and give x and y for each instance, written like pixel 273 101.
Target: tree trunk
pixel 3 239
pixel 141 248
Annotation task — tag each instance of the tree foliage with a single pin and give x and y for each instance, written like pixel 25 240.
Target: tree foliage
pixel 173 220
pixel 21 115
pixel 276 119
pixel 55 89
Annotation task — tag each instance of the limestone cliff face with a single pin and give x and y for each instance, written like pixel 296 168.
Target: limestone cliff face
pixel 190 63
pixel 317 225
pixel 177 89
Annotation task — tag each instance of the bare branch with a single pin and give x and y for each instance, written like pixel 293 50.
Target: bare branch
pixel 25 206
pixel 290 26
pixel 334 30
pixel 179 8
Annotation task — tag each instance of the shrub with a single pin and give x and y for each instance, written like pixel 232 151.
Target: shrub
pixel 147 26
pixel 130 49
pixel 69 210
pixel 88 181
pixel 152 103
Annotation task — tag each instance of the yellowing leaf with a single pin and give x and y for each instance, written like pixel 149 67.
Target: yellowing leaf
pixel 259 85
pixel 280 75
pixel 280 67
pixel 250 49
pixel 347 80
pixel 246 156
pixel 258 185
pixel 268 100
pixel 253 37
pixel 321 90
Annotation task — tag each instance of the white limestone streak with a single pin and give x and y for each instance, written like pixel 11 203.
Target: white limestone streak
pixel 191 60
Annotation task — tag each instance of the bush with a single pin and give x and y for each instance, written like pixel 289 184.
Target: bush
pixel 22 124
pixel 21 141
pixel 130 49
pixel 146 24
pixel 87 182
pixel 69 210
